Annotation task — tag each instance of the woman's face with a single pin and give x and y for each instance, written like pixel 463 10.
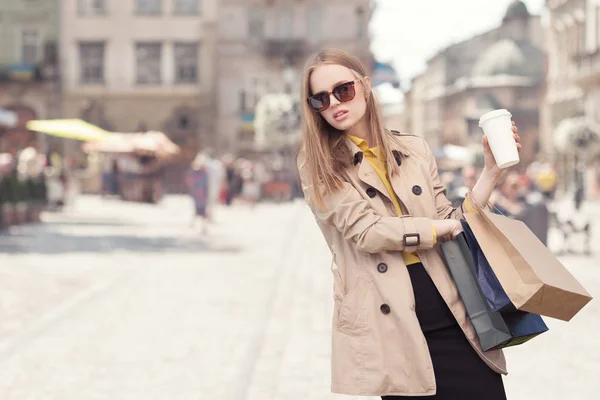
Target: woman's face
pixel 341 116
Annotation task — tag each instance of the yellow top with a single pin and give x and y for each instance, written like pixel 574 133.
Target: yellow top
pixel 377 161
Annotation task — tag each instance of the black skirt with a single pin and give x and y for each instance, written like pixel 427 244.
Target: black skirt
pixel 460 373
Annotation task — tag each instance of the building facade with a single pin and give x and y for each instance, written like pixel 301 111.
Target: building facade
pixel 29 83
pixel 262 48
pixel 571 117
pixel 501 68
pixel 588 61
pixel 588 79
pixel 137 65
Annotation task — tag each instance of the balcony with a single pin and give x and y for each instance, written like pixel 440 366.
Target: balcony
pixel 292 49
pixel 588 68
pixel 44 71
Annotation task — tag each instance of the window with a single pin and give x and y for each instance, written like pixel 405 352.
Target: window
pixel 149 7
pixel 314 23
pixel 285 23
pixel 186 62
pixel 148 60
pixel 183 122
pixel 256 22
pixel 91 7
pixel 186 7
pixel 30 45
pixel 91 56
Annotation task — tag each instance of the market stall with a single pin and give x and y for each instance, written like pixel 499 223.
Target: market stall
pixel 133 164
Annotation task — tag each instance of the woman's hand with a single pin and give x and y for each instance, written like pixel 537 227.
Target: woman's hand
pixel 447 228
pixel 491 168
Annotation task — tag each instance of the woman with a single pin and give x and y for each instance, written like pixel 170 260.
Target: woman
pixel 197 182
pixel 400 330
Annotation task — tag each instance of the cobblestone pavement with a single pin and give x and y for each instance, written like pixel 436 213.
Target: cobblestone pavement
pixel 121 301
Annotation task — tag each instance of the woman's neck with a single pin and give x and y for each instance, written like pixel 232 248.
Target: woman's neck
pixel 361 130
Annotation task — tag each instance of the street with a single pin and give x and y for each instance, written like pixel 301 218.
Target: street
pixel 121 301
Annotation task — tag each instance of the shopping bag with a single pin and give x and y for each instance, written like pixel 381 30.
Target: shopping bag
pixel 486 278
pixel 532 277
pixel 523 326
pixel 490 327
pixel 494 330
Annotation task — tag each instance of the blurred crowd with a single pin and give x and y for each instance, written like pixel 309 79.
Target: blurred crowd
pixel 515 192
pixel 29 183
pixel 229 180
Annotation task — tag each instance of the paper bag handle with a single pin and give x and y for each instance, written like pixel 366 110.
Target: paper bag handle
pixel 476 205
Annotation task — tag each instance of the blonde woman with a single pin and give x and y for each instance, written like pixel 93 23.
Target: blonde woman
pixel 400 330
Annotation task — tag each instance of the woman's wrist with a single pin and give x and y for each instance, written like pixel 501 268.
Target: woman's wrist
pixel 485 185
pixel 490 175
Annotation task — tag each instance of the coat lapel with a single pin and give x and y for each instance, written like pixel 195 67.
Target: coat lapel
pixel 401 191
pixel 365 171
pixel 399 181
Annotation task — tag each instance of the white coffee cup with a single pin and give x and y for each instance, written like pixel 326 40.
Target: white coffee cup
pixel 497 126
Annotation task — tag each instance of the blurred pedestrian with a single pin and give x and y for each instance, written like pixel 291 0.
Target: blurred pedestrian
pixel 546 180
pixel 198 185
pixel 251 189
pixel 233 178
pixel 510 198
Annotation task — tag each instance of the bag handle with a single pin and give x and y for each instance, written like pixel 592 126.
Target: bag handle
pixel 476 205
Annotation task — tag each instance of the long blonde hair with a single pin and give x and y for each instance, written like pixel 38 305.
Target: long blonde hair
pixel 326 155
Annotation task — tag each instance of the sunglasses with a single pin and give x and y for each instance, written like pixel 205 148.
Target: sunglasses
pixel 344 92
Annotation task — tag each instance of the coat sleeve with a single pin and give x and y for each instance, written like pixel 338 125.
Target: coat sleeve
pixel 353 217
pixel 443 206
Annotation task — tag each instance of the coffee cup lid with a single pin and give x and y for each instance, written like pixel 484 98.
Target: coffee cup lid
pixel 493 114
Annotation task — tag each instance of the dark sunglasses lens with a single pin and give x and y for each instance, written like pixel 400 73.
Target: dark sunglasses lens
pixel 344 92
pixel 319 101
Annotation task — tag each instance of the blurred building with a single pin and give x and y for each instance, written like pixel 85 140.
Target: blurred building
pixel 29 83
pixel 262 48
pixel 588 61
pixel 391 100
pixel 571 118
pixel 589 78
pixel 501 68
pixel 132 65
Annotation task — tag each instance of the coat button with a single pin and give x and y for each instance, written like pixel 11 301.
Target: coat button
pixel 358 157
pixel 371 192
pixel 382 268
pixel 385 309
pixel 417 190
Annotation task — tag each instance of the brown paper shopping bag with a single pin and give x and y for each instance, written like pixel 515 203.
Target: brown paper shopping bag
pixel 532 277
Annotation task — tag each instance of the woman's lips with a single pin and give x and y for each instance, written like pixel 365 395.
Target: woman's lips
pixel 340 115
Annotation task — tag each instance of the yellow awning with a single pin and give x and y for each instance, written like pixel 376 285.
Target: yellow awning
pixel 70 129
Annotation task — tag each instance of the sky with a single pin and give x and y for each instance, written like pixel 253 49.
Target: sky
pixel 408 32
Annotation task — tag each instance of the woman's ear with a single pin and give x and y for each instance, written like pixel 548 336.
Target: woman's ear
pixel 367 86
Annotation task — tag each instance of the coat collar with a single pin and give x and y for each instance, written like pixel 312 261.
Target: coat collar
pixel 365 172
pixel 358 155
pixel 363 168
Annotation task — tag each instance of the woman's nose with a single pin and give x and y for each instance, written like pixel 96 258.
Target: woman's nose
pixel 333 101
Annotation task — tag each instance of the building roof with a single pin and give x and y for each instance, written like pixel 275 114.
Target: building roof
pixel 511 57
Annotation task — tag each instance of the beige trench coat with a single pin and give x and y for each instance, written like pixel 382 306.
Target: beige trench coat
pixel 378 347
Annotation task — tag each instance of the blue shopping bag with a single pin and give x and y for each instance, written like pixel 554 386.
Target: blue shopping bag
pixel 523 326
pixel 488 282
